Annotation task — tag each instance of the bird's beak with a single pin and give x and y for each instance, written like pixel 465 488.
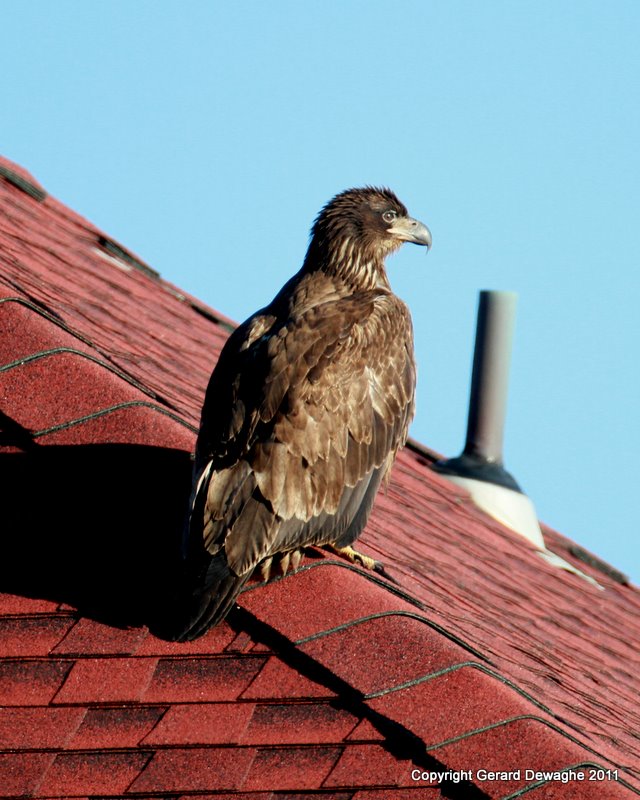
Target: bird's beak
pixel 410 230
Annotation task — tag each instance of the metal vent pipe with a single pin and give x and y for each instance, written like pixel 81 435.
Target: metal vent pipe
pixel 490 377
pixel 482 455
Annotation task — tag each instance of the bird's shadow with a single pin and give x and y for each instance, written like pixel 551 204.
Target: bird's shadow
pixel 95 526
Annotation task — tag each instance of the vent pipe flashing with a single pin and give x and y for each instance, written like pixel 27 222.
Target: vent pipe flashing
pixel 479 469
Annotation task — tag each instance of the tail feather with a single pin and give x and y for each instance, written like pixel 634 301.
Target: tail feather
pixel 207 600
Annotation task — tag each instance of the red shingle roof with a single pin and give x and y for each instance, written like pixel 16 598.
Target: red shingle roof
pixel 330 682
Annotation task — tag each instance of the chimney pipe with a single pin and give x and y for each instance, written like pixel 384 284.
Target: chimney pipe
pixel 481 458
pixel 490 377
pixel 479 468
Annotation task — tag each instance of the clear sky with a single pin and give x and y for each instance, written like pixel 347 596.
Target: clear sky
pixel 205 136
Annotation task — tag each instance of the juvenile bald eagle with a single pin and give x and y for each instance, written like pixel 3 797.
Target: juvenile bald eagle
pixel 306 409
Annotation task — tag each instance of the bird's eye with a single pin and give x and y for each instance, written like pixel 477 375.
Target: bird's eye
pixel 389 216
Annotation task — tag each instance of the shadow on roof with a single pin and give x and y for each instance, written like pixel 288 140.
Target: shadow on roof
pixel 94 526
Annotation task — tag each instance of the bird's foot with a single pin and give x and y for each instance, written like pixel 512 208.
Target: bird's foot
pixel 356 557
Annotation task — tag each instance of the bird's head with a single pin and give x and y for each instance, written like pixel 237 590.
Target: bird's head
pixel 358 228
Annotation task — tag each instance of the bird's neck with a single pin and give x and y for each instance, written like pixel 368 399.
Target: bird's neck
pixel 353 266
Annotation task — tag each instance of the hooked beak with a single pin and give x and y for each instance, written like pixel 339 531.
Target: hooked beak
pixel 410 230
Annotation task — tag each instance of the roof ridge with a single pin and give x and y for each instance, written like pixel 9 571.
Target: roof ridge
pixel 21 179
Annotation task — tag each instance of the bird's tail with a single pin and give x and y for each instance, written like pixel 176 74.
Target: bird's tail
pixel 204 599
pixel 206 587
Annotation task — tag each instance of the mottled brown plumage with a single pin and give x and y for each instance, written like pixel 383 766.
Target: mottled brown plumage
pixel 306 409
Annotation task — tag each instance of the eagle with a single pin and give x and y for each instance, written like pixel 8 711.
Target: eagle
pixel 305 411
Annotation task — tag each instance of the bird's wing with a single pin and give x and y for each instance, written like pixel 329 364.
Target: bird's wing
pixel 300 423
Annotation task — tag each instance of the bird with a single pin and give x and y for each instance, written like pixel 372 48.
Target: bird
pixel 305 411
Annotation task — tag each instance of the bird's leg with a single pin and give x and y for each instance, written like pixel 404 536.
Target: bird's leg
pixel 290 560
pixel 284 561
pixel 285 558
pixel 356 557
pixel 265 568
pixel 296 558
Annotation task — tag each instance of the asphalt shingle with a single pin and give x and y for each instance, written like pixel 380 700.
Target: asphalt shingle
pixel 331 682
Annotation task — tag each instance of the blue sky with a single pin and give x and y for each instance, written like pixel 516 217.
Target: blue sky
pixel 205 136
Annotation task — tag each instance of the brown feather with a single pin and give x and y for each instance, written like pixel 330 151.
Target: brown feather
pixel 248 540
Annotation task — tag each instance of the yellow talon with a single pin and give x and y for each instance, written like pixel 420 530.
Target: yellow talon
pixel 364 561
pixel 355 557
